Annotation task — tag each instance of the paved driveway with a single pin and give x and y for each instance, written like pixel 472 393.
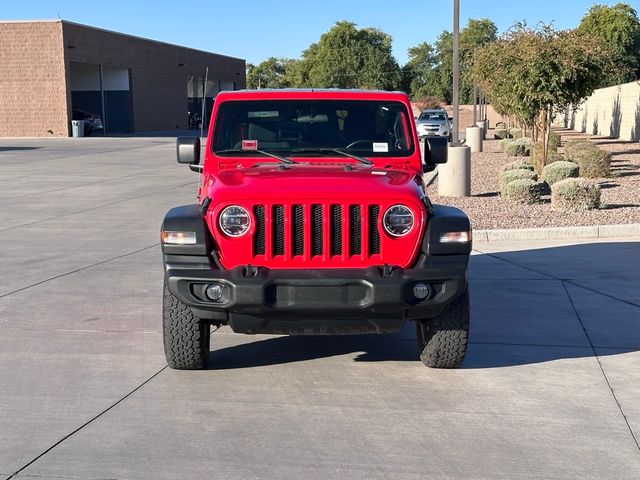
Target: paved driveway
pixel 549 388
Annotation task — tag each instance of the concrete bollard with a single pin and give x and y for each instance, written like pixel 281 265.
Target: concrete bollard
pixel 474 139
pixel 454 177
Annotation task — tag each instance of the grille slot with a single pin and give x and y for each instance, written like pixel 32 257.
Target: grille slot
pixel 258 237
pixel 374 234
pixel 316 230
pixel 278 230
pixel 355 230
pixel 336 230
pixel 297 230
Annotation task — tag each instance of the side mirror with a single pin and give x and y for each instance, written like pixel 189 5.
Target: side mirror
pixel 188 150
pixel 435 150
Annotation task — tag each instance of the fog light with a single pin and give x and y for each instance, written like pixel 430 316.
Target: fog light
pixel 214 292
pixel 421 291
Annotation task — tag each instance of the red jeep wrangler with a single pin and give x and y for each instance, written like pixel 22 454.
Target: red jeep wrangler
pixel 312 219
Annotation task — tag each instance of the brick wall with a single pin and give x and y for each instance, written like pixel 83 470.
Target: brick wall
pixel 33 93
pixel 159 71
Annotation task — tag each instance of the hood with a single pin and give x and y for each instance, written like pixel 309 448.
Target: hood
pixel 311 182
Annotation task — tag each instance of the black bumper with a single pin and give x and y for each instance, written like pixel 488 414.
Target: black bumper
pixel 321 301
pixel 260 300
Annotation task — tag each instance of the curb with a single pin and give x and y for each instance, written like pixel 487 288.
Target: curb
pixel 558 233
pixel 428 178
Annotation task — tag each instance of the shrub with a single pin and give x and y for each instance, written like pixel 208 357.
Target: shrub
pixel 554 157
pixel 554 142
pixel 594 162
pixel 557 171
pixel 523 190
pixel 520 147
pixel 516 132
pixel 500 133
pixel 502 144
pixel 518 174
pixel 572 147
pixel 517 165
pixel 575 194
pixel 536 156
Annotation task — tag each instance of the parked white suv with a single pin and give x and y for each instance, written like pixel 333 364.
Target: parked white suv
pixel 434 122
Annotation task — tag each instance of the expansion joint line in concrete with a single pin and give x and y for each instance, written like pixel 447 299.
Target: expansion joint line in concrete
pixel 113 405
pixel 110 204
pixel 55 277
pixel 564 280
pixel 604 374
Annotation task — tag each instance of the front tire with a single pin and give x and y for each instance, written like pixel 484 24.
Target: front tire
pixel 442 341
pixel 186 338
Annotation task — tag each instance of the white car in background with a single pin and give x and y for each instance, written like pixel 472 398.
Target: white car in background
pixel 434 122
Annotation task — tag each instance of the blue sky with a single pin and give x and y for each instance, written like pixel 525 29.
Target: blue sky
pixel 255 30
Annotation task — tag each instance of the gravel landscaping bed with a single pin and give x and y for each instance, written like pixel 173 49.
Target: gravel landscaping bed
pixel 487 210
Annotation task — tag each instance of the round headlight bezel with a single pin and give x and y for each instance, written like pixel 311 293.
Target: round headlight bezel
pixel 225 228
pixel 387 228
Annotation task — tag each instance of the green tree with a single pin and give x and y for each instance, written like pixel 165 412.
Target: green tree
pixel 535 73
pixel 435 75
pixel 418 75
pixel 271 73
pixel 348 57
pixel 618 27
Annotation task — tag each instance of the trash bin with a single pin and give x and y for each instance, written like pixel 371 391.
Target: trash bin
pixel 77 128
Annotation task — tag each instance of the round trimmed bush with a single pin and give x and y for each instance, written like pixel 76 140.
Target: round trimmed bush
pixel 520 147
pixel 516 132
pixel 557 171
pixel 575 194
pixel 573 147
pixel 500 133
pixel 517 165
pixel 554 142
pixel 518 174
pixel 554 157
pixel 503 143
pixel 593 162
pixel 523 190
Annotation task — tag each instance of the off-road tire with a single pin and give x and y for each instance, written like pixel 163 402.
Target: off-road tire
pixel 442 341
pixel 186 338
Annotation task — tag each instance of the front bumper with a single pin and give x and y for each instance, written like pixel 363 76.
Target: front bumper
pixel 322 301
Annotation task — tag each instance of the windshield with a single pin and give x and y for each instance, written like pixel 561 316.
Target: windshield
pixel 369 128
pixel 439 116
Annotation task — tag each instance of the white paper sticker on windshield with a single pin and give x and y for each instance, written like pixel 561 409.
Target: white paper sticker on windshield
pixel 380 147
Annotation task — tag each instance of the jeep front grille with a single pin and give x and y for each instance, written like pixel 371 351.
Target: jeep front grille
pixel 313 231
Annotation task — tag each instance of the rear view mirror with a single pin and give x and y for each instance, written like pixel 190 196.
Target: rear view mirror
pixel 188 150
pixel 435 150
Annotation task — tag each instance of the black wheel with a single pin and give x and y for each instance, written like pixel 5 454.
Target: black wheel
pixel 442 341
pixel 186 338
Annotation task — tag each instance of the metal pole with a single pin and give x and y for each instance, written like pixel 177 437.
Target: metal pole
pixel 475 103
pixel 456 70
pixel 204 100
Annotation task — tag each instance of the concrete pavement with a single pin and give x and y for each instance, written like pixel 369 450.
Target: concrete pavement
pixel 549 387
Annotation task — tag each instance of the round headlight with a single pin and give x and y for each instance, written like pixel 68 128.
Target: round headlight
pixel 398 220
pixel 235 221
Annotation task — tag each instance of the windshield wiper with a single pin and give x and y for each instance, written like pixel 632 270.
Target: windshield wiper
pixel 286 160
pixel 333 150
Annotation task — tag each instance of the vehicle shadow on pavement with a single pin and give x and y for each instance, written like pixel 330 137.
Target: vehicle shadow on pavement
pixel 529 306
pixel 279 350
